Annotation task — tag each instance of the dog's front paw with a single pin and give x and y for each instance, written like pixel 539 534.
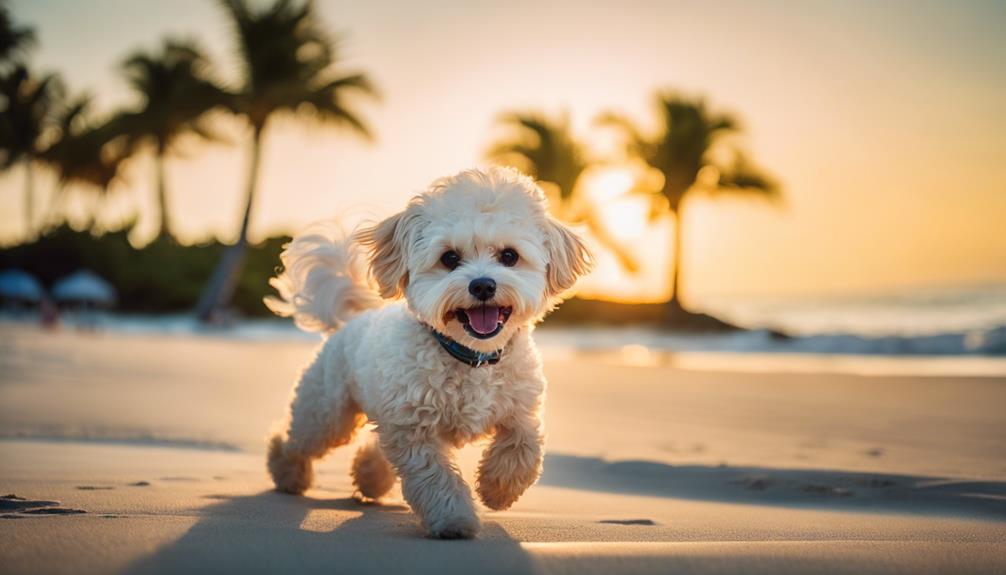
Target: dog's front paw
pixel 461 526
pixel 510 465
pixel 498 495
pixel 500 483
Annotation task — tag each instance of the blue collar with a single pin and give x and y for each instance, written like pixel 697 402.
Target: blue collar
pixel 466 354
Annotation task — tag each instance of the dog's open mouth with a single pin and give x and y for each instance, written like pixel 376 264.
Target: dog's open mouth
pixel 483 321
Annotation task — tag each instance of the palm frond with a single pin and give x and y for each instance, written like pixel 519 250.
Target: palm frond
pixel 354 82
pixel 542 146
pixel 28 112
pixel 15 41
pixel 625 257
pixel 87 153
pixel 175 88
pixel 329 110
pixel 743 178
pixel 328 103
pixel 635 142
pixel 288 60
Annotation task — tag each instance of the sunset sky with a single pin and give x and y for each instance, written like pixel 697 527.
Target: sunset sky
pixel 884 121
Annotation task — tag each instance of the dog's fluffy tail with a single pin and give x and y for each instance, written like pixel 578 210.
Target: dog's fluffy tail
pixel 324 281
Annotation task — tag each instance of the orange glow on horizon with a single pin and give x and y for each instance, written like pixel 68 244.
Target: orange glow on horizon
pixel 879 191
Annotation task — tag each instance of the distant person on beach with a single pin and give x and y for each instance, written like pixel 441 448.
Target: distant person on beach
pixel 49 315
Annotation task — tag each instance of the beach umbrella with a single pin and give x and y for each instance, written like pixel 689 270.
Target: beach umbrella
pixel 20 285
pixel 84 287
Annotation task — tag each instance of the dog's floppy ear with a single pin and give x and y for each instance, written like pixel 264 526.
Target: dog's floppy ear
pixel 388 243
pixel 568 257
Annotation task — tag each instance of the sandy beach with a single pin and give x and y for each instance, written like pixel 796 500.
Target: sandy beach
pixel 144 454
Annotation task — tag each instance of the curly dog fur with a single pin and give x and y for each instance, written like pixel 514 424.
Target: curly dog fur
pixel 381 363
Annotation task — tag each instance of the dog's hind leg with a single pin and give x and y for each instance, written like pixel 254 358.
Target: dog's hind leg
pixel 322 416
pixel 373 475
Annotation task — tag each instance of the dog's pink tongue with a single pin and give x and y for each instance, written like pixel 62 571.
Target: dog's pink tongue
pixel 483 319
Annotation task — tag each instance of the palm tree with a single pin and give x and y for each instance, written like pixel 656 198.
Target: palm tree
pixel 14 40
pixel 546 149
pixel 176 94
pixel 28 106
pixel 682 150
pixel 86 154
pixel 287 62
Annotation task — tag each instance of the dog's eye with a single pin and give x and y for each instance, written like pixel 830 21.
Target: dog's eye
pixel 509 257
pixel 451 259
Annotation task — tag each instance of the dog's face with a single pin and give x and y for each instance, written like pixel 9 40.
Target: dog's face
pixel 477 256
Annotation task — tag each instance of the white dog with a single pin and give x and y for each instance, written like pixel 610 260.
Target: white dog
pixel 479 261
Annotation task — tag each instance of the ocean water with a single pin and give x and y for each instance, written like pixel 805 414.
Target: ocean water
pixel 944 323
pixel 916 312
pixel 936 331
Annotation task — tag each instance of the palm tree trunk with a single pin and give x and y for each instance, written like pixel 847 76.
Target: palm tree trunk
pixel 221 286
pixel 256 153
pixel 29 197
pixel 51 217
pixel 95 208
pixel 674 306
pixel 162 194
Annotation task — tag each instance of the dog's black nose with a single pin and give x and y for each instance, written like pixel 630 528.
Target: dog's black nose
pixel 482 288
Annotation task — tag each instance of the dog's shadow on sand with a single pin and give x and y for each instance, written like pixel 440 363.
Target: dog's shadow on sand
pixel 275 533
pixel 808 488
pixel 271 532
